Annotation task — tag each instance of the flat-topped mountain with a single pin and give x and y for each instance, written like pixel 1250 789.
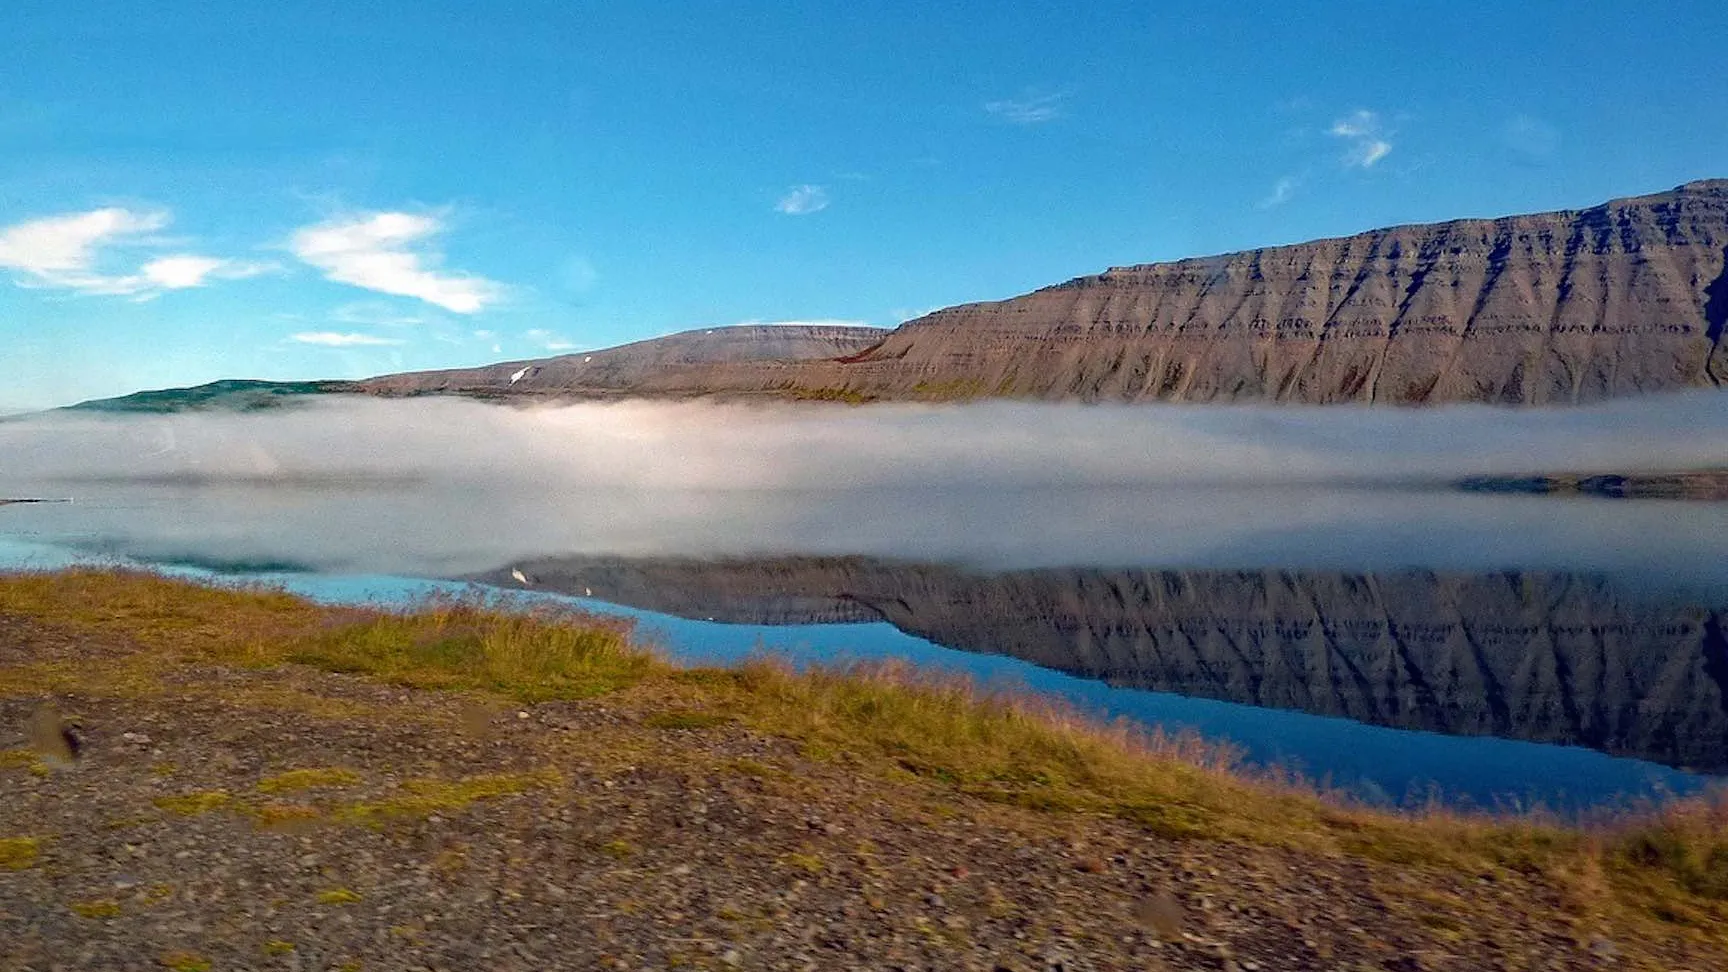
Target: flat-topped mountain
pixel 1547 657
pixel 588 374
pixel 1624 298
pixel 625 368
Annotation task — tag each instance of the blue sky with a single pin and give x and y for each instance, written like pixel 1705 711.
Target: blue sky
pixel 200 190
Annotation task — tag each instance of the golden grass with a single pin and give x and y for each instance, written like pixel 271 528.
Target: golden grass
pixel 24 759
pixel 19 853
pixel 442 644
pixel 180 960
pixel 1667 868
pixel 806 393
pixel 455 645
pixel 414 798
pixel 424 797
pixel 101 908
pixel 194 804
pixel 309 779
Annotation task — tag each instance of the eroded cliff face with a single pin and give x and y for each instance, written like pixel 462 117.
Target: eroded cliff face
pixel 1544 657
pixel 1624 298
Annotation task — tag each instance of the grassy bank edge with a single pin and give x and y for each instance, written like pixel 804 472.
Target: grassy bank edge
pixel 1663 870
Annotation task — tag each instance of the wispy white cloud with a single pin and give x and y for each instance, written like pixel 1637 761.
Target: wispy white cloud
pixel 550 341
pixel 1281 192
pixel 69 243
pixel 1031 108
pixel 66 252
pixel 1368 137
pixel 189 270
pixel 375 251
pixel 335 339
pixel 803 200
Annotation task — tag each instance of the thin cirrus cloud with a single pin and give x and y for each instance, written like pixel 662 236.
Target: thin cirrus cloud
pixel 338 339
pixel 1368 138
pixel 386 252
pixel 803 200
pixel 66 252
pixel 1281 192
pixel 548 340
pixel 1029 109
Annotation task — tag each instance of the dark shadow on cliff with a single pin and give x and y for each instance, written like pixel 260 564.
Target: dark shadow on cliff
pixel 1715 321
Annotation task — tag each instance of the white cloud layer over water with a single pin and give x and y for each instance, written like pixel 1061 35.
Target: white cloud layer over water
pixel 710 446
pixel 447 486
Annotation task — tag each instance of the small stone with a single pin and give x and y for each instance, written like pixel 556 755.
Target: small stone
pixel 1161 914
pixel 732 958
pixel 522 715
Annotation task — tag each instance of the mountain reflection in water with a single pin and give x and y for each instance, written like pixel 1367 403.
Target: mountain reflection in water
pixel 1539 656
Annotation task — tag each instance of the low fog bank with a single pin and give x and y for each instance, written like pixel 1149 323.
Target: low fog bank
pixel 704 446
pixel 444 488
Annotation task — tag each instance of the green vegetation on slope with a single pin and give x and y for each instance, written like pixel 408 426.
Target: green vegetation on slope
pixel 233 395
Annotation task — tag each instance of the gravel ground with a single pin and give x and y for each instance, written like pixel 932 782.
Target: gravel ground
pixel 451 834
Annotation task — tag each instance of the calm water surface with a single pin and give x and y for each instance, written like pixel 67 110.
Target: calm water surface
pixel 1399 643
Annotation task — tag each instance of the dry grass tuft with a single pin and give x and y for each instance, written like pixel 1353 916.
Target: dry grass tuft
pixel 284 816
pixel 19 853
pixel 194 804
pixel 102 908
pixel 309 779
pixel 24 759
pixel 419 798
pixel 180 960
pixel 529 657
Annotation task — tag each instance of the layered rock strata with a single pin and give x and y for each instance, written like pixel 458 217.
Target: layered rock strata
pixel 1546 657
